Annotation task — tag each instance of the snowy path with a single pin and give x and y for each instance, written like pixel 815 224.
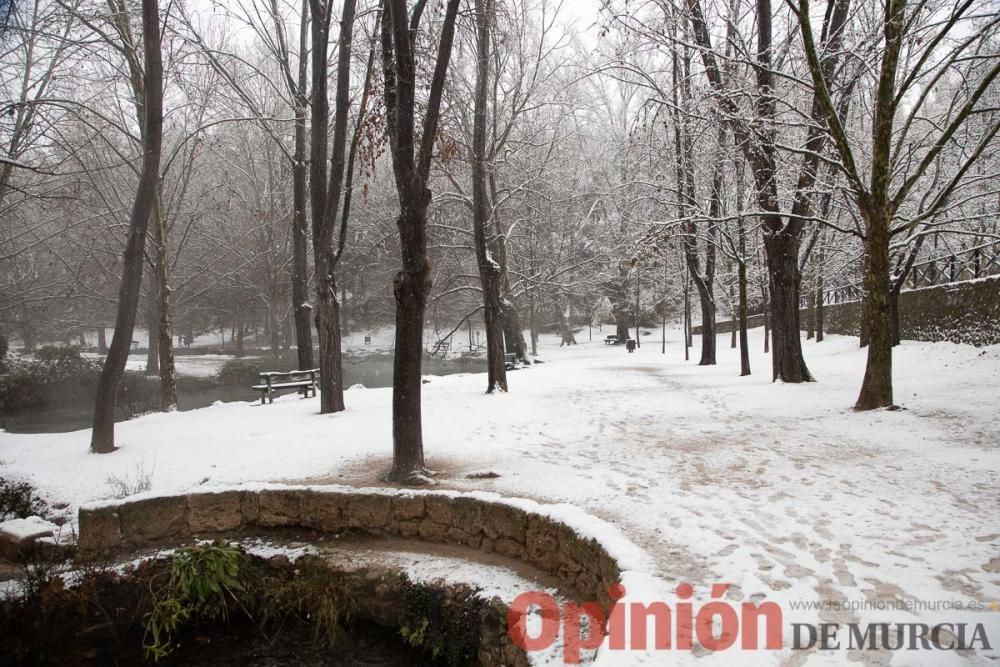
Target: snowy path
pixel 780 490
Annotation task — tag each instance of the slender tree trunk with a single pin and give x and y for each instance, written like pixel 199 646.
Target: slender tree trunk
pixel 533 326
pixel 819 313
pixel 102 340
pixel 153 331
pixel 811 316
pixel 103 434
pixel 301 309
pixel 744 343
pixel 489 270
pixel 165 333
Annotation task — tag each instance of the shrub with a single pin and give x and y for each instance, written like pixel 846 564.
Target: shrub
pixel 238 371
pixel 18 500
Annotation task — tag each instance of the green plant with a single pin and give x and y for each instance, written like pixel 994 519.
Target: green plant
pixel 238 371
pixel 312 593
pixel 203 579
pixel 447 628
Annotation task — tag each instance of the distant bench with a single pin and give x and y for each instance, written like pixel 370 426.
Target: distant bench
pixel 272 381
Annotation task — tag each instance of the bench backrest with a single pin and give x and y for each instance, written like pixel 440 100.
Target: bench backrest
pixel 290 375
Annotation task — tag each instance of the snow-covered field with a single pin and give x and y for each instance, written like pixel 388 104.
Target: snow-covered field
pixel 780 490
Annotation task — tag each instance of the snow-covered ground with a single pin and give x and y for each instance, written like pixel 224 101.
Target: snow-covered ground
pixel 780 490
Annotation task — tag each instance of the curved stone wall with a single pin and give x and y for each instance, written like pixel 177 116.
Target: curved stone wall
pixel 581 565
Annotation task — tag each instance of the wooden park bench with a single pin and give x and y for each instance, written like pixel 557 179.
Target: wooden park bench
pixel 272 381
pixel 510 361
pixel 613 340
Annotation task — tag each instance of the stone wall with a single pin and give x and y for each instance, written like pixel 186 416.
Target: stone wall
pixel 967 312
pixel 580 564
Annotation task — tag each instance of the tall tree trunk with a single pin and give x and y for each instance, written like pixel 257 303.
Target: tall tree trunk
pixel 102 340
pixel 411 168
pixel 164 334
pixel 811 315
pixel 876 389
pixel 787 362
pixel 301 308
pixel 103 434
pixel 326 194
pixel 744 344
pixel 153 331
pixel 489 270
pixel 819 310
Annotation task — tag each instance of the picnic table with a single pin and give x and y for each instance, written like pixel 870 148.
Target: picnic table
pixel 271 381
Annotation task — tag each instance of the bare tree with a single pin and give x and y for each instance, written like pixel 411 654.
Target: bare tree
pixel 921 45
pixel 489 270
pixel 103 435
pixel 411 167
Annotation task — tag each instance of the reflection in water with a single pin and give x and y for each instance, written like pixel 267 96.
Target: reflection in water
pixel 71 413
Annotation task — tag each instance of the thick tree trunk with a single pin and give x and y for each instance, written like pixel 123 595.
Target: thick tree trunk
pixel 708 336
pixel 411 168
pixel 489 270
pixel 621 324
pixel 328 328
pixel 565 329
pixel 410 287
pixel 513 331
pixel 876 389
pixel 103 434
pixel 787 361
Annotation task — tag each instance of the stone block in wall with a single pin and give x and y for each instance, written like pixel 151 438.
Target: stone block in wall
pixel 279 507
pixel 439 509
pixel 505 521
pixel 154 520
pixel 323 511
pixel 100 531
pixel 510 547
pixel 407 508
pixel 432 531
pixel 542 541
pixel 467 515
pixel 369 512
pixel 214 512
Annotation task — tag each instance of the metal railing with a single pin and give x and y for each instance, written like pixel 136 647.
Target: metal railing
pixel 977 262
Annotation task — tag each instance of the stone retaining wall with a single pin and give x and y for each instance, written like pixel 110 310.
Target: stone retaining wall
pixel 580 564
pixel 967 312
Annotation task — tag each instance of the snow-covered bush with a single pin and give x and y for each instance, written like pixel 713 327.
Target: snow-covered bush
pixel 238 371
pixel 18 500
